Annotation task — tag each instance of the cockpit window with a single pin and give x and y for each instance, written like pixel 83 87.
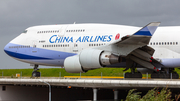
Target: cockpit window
pixel 25 31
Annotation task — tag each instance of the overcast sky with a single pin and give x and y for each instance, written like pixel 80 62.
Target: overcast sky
pixel 17 15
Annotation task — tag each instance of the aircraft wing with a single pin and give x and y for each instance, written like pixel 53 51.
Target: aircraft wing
pixel 134 47
pixel 127 44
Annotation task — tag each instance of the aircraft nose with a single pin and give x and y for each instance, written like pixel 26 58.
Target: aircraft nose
pixel 6 49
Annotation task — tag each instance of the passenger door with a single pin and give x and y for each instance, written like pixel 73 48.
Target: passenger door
pixel 34 46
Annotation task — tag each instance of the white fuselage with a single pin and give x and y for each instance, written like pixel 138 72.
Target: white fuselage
pixel 52 44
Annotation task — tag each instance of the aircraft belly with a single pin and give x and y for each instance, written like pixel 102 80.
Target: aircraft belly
pixel 171 63
pixel 56 62
pixel 42 56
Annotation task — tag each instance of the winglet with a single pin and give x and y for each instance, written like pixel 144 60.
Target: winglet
pixel 148 30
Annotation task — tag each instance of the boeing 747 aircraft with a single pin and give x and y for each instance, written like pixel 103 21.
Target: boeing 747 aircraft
pixel 83 47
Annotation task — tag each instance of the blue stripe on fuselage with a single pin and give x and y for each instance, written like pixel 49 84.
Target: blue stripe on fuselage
pixel 28 54
pixel 23 56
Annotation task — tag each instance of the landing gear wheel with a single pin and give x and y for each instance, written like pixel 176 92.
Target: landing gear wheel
pixel 175 75
pixel 35 74
pixel 165 76
pixel 160 75
pixel 133 75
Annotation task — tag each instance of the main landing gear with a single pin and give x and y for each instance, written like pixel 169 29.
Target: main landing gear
pixel 162 74
pixel 165 74
pixel 35 73
pixel 133 74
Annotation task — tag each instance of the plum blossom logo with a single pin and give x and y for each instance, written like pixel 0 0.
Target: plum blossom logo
pixel 117 36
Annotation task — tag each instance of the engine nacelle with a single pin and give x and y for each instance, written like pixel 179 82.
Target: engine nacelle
pixel 72 65
pixel 89 59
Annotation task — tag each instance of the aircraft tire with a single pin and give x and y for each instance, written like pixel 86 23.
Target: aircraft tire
pixel 165 76
pixel 35 74
pixel 135 75
pixel 175 75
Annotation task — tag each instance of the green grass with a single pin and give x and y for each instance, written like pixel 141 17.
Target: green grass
pixel 55 72
pixel 97 72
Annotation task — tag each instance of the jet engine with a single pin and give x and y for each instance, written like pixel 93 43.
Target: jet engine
pixel 89 59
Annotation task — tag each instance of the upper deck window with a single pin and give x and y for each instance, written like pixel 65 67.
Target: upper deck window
pixel 25 31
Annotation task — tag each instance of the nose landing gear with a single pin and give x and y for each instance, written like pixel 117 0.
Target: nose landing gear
pixel 35 73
